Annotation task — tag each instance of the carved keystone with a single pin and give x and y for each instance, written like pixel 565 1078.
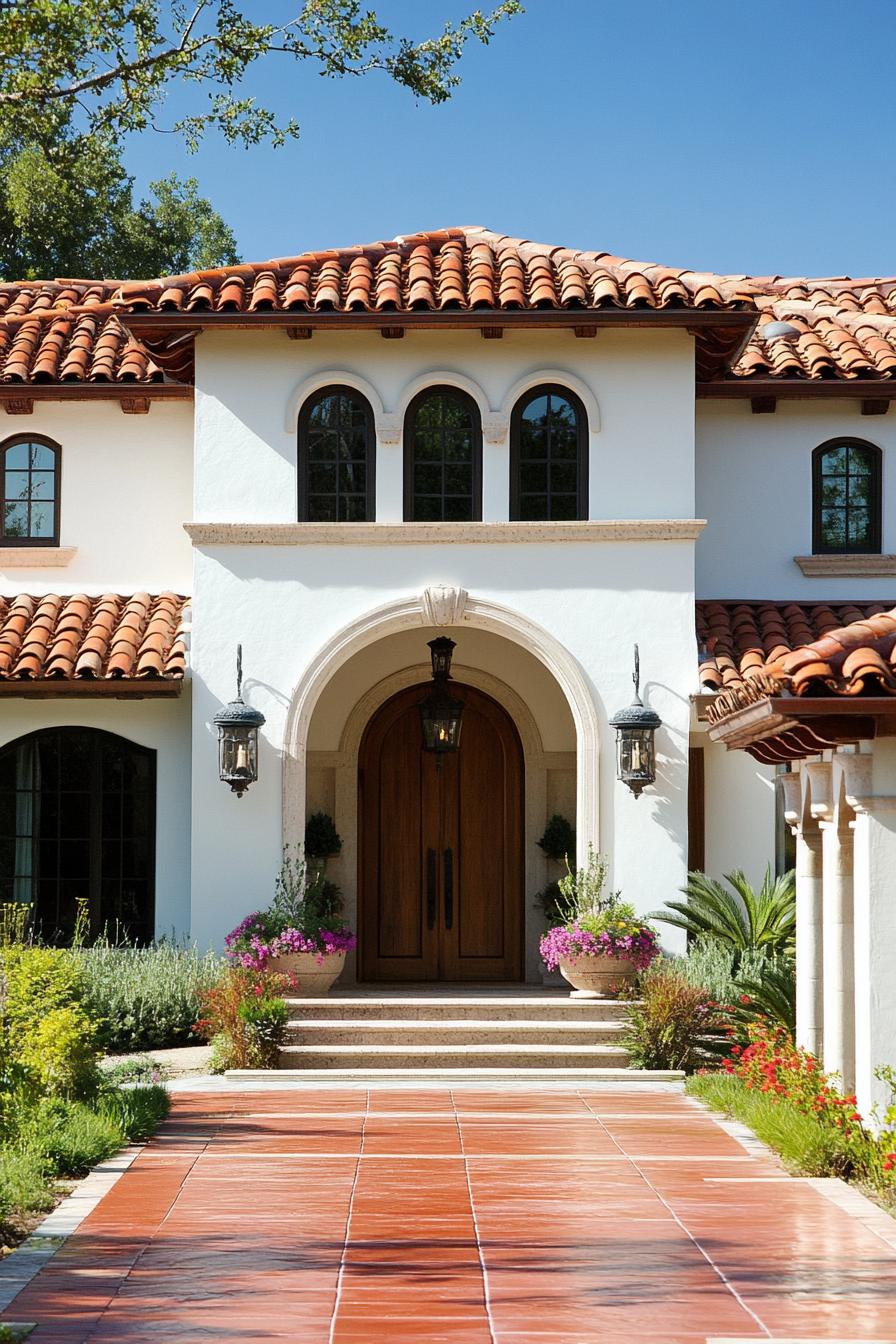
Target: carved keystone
pixel 443 605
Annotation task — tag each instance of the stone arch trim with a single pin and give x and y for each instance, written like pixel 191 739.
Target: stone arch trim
pixel 480 613
pixel 564 378
pixel 494 423
pixel 324 378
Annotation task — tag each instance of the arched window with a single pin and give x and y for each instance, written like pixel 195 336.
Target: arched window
pixel 548 456
pixel 442 458
pixel 30 469
pixel 846 497
pixel 77 825
pixel 336 458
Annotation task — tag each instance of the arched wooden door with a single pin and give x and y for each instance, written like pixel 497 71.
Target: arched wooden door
pixel 441 846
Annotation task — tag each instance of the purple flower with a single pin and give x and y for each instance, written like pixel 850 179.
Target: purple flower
pixel 572 941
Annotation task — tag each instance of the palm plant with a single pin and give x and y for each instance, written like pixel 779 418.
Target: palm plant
pixel 771 998
pixel 743 918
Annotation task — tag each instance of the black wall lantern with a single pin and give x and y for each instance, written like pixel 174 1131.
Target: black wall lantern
pixel 635 751
pixel 238 725
pixel 440 713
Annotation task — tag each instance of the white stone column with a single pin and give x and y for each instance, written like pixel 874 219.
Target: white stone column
pixel 495 468
pixel 389 469
pixel 809 1004
pixel 875 936
pixel 838 956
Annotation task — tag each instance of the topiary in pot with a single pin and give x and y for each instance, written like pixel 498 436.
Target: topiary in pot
pixel 322 840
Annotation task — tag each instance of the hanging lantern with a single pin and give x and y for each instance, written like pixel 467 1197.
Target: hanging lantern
pixel 635 750
pixel 238 725
pixel 440 713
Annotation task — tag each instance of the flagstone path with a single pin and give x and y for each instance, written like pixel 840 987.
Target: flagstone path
pixel 507 1216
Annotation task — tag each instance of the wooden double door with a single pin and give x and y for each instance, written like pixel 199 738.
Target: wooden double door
pixel 441 846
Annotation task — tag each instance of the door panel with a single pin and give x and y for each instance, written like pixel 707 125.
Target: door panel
pixel 441 857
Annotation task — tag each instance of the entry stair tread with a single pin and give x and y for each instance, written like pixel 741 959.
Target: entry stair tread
pixel 371 1024
pixel 473 1074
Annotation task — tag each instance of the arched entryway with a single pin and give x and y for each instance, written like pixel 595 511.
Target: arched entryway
pixel 441 859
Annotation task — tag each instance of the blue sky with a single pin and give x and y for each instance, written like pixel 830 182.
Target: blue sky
pixel 753 137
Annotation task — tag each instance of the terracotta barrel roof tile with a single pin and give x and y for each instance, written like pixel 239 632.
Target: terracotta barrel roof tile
pixel 92 638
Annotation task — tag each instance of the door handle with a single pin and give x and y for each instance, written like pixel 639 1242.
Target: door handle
pixel 431 898
pixel 449 888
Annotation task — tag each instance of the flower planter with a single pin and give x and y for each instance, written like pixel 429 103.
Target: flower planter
pixel 597 977
pixel 315 974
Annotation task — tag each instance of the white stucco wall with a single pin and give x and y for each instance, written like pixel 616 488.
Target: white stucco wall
pixel 126 492
pixel 596 599
pixel 754 485
pixel 642 382
pixel 284 603
pixel 740 811
pixel 163 725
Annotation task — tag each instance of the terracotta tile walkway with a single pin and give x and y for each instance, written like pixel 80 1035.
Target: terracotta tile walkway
pixel 338 1216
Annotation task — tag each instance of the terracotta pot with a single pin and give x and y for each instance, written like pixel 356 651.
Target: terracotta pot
pixel 597 977
pixel 314 975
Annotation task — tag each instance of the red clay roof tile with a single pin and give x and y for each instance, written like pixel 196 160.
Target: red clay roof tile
pixel 92 638
pixel 67 329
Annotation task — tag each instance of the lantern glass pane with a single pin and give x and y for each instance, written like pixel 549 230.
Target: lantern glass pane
pixel 635 755
pixel 238 753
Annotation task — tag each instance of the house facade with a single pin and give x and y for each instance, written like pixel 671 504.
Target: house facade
pixel 330 460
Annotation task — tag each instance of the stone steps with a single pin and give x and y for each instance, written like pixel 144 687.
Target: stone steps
pixel 455 1034
pixel 547 1006
pixel 459 1055
pixel 451 1033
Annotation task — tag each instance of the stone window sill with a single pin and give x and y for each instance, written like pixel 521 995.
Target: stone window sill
pixel 36 557
pixel 846 566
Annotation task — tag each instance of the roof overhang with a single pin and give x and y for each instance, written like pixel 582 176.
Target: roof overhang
pixel 777 729
pixel 134 398
pixel 87 688
pixel 720 334
pixel 868 389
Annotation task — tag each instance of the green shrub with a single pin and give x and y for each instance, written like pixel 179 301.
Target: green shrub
pixel 766 978
pixel 558 840
pixel 672 1027
pixel 67 1136
pixel 322 840
pixel 38 979
pixel 137 1111
pixel 61 1052
pixel 264 1021
pixel 49 1029
pixel 244 1017
pixel 147 997
pixel 142 1069
pixel 24 1186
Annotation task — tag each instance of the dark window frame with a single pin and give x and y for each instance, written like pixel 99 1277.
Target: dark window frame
pixel 459 394
pixel 516 418
pixel 331 390
pixel 95 837
pixel 819 547
pixel 56 449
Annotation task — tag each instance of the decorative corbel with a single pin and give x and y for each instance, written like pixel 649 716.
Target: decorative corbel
pixel 818 775
pixel 792 794
pixel 495 427
pixel 853 769
pixel 388 428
